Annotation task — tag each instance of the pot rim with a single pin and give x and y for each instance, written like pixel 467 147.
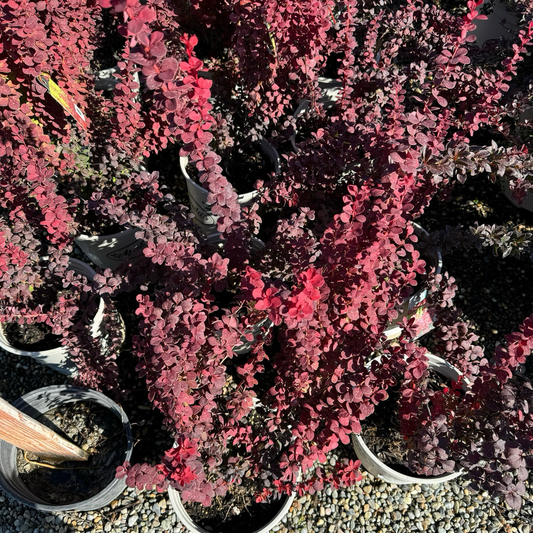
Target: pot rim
pixel 38 402
pixel 189 523
pixel 378 468
pixel 267 148
pixel 85 237
pixel 60 351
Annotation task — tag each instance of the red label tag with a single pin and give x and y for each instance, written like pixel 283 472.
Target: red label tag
pixel 66 102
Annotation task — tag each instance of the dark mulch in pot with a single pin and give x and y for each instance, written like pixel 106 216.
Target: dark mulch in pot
pixel 35 337
pixel 237 511
pixel 95 429
pixel 95 225
pixel 381 430
pixel 171 180
pixel 31 337
pixel 243 168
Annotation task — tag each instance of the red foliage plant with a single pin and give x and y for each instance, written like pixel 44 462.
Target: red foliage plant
pixel 257 356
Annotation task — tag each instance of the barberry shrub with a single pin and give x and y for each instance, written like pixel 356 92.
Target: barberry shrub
pixel 340 252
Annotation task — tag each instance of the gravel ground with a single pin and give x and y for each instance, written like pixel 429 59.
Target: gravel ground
pixel 495 294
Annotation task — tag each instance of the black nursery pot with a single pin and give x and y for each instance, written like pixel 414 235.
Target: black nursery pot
pixel 35 404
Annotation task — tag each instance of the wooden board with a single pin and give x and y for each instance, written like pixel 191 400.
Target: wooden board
pixel 24 432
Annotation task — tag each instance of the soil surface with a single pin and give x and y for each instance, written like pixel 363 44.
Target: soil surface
pixel 96 226
pixel 95 429
pixel 242 169
pixel 36 337
pixel 381 430
pixel 237 511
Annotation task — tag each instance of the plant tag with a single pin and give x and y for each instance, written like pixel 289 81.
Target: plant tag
pixel 423 321
pixel 64 100
pixel 417 300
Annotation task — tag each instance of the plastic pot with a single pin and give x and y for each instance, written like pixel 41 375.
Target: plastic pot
pixel 58 358
pixel 379 469
pixel 192 527
pixel 201 208
pixel 109 251
pixel 39 402
pixel 415 305
pixel 105 81
pixel 256 329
